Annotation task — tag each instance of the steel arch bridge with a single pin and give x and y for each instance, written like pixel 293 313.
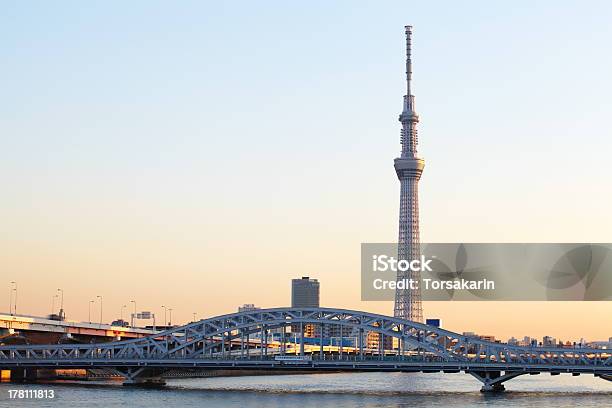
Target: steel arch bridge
pixel 242 341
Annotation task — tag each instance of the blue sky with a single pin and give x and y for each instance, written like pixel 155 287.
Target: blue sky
pixel 256 127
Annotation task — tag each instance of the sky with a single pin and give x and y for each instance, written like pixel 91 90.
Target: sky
pixel 199 155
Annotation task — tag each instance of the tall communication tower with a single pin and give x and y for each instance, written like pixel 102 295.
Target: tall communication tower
pixel 409 168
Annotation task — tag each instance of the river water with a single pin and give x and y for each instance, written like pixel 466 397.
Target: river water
pixel 326 390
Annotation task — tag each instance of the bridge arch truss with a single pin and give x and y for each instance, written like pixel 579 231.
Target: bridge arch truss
pixel 377 342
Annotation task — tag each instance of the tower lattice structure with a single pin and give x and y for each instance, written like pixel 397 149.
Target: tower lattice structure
pixel 409 168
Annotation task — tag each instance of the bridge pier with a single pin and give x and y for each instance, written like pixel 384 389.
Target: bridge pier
pixel 604 377
pixel 492 380
pixel 152 382
pixel 142 377
pixel 21 375
pixel 497 387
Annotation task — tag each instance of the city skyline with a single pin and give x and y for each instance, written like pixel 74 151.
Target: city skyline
pixel 137 164
pixel 301 296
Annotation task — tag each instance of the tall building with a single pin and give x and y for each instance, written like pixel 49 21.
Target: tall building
pixel 409 168
pixel 304 292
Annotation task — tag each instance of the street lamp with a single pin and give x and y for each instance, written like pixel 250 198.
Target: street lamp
pixel 194 317
pixel 165 317
pixel 10 300
pixel 170 322
pixel 14 303
pixel 53 304
pixel 100 297
pixel 89 310
pixel 122 307
pixel 61 311
pixel 133 315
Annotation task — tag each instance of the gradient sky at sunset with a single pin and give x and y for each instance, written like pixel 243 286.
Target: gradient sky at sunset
pixel 199 155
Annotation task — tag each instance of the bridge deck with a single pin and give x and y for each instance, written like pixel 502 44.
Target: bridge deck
pixel 315 364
